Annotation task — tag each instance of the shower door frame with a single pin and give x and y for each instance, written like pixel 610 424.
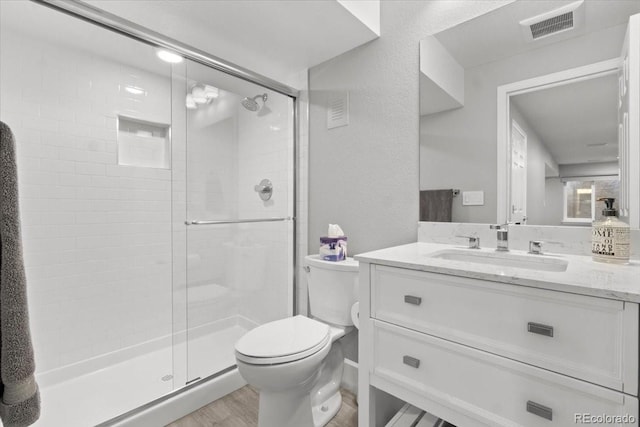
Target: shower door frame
pixel 111 22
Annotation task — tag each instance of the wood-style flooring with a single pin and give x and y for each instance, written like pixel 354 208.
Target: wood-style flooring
pixel 240 409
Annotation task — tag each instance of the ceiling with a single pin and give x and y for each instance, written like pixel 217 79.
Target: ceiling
pixel 471 44
pixel 276 38
pixel 26 20
pixel 29 20
pixel 577 122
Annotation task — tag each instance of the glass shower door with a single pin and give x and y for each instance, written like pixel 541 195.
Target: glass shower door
pixel 239 209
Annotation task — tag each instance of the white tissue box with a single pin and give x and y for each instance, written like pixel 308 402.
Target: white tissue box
pixel 333 248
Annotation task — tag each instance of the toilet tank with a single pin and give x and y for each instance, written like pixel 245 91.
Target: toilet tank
pixel 333 289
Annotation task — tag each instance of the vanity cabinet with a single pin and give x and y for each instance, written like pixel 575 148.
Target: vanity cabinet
pixel 485 353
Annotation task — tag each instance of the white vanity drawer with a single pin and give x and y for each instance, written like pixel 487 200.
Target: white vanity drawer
pixel 594 339
pixel 488 389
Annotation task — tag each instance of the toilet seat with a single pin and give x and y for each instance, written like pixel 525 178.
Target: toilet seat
pixel 283 341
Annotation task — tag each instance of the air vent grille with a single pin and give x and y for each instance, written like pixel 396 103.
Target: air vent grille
pixel 569 17
pixel 552 25
pixel 338 110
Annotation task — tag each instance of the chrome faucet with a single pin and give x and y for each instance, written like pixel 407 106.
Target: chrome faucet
pixel 535 247
pixel 502 237
pixel 474 241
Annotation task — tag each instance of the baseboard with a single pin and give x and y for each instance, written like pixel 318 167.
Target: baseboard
pixel 350 376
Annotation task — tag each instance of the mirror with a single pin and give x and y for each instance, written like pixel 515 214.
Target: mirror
pixel 561 133
pixel 525 131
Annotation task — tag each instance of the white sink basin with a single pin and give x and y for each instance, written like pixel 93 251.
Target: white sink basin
pixel 504 259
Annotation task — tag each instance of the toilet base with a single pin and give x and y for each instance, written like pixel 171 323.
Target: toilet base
pixel 285 410
pixel 324 412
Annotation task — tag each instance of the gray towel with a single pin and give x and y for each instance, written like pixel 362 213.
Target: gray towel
pixel 436 205
pixel 20 403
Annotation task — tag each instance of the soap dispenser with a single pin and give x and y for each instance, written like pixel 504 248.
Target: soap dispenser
pixel 610 236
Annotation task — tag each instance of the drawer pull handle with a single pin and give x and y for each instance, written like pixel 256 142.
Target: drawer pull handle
pixel 540 329
pixel 411 361
pixel 540 410
pixel 410 299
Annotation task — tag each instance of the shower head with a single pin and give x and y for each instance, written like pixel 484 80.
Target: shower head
pixel 251 104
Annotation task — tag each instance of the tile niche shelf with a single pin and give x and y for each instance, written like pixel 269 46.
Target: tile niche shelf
pixel 143 144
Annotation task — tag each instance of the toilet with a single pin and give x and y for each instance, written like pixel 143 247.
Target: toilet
pixel 297 362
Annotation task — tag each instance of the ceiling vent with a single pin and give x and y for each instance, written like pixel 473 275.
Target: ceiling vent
pixel 557 21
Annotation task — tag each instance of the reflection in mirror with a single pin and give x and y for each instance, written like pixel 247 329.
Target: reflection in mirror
pixel 568 133
pixel 564 147
pixel 572 145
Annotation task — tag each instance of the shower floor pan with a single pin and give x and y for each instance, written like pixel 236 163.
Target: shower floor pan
pixel 98 396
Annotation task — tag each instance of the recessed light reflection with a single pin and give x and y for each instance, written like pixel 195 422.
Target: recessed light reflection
pixel 201 94
pixel 190 102
pixel 198 95
pixel 211 92
pixel 134 90
pixel 168 56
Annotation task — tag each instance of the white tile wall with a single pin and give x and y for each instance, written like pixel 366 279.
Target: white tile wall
pixel 97 236
pixel 265 141
pixel 239 269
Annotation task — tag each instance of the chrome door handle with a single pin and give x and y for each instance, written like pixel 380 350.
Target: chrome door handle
pixel 540 410
pixel 410 299
pixel 540 329
pixel 411 361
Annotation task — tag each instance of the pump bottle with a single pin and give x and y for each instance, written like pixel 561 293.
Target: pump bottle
pixel 610 236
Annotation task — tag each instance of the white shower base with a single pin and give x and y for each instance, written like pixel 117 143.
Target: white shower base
pixel 106 392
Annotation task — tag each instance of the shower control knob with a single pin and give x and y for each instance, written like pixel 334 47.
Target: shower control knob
pixel 264 189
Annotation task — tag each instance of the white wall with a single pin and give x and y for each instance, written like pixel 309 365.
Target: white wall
pixel 441 78
pixel 589 169
pixel 553 202
pixel 538 157
pixel 365 176
pixel 367 11
pixel 459 146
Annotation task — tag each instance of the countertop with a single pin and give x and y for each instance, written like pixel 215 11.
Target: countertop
pixel 583 275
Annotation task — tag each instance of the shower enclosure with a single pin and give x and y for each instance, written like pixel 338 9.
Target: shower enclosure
pixel 157 206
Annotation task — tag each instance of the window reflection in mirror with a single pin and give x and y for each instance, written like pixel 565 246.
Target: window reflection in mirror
pixel 580 196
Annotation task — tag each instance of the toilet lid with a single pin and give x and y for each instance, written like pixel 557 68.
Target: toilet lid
pixel 282 339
